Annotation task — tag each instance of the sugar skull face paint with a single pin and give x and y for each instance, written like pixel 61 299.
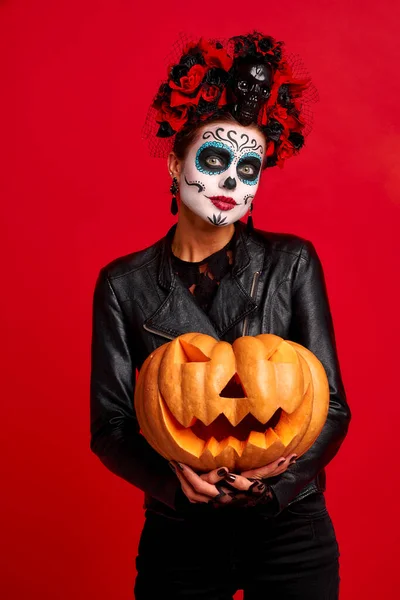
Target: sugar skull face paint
pixel 221 172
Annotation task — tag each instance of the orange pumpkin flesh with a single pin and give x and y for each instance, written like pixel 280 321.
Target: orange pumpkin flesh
pixel 208 403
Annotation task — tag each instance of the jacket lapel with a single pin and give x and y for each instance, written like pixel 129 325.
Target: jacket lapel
pixel 179 313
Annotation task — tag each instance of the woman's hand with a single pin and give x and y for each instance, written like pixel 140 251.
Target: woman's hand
pixel 221 487
pixel 272 469
pixel 199 487
pixel 250 487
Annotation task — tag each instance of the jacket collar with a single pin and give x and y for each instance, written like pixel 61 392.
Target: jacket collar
pixel 166 276
pixel 179 313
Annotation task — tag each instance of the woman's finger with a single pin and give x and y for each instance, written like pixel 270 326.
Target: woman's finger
pixel 235 482
pixel 275 468
pixel 215 475
pixel 198 484
pixel 188 490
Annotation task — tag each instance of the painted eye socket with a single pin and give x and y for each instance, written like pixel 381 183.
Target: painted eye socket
pixel 247 170
pixel 213 158
pixel 214 161
pixel 249 167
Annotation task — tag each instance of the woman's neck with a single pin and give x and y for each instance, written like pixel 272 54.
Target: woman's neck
pixel 194 239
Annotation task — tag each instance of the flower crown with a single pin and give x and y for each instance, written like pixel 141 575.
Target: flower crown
pixel 208 82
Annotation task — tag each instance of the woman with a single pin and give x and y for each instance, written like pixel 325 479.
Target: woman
pixel 225 114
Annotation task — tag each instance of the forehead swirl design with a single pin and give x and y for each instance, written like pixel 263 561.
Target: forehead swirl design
pixel 240 145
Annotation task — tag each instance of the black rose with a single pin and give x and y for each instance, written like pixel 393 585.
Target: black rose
pixel 252 49
pixel 265 44
pixel 273 130
pixel 216 76
pixel 165 130
pixel 284 97
pixel 297 139
pixel 271 160
pixel 164 91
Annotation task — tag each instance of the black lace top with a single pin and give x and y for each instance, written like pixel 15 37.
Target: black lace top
pixel 203 278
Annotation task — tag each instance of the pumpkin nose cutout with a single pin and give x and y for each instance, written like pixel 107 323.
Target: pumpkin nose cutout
pixel 230 183
pixel 234 388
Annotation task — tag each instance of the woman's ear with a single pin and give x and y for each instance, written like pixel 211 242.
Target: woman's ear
pixel 174 165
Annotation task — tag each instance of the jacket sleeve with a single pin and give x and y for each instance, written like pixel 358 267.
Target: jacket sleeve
pixel 115 432
pixel 312 327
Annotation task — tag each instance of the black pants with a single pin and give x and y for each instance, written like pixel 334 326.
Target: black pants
pixel 294 555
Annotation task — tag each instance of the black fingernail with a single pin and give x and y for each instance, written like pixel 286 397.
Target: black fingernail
pixel 253 485
pixel 221 472
pixel 220 495
pixel 180 466
pixel 293 459
pixel 258 488
pixel 172 467
pixel 230 477
pixel 281 462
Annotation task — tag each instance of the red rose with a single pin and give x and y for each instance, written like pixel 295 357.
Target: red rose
pixel 176 117
pixel 210 93
pixel 179 99
pixel 190 82
pixel 288 121
pixel 298 86
pixel 279 113
pixel 215 57
pixel 285 151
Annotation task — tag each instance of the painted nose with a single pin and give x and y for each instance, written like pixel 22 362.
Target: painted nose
pixel 230 183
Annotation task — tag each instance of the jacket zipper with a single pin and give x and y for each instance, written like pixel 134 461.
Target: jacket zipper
pixel 252 291
pixel 169 337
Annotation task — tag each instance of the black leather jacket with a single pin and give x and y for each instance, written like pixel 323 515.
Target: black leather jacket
pixel 276 286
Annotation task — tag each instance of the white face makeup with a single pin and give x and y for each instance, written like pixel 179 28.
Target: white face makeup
pixel 221 172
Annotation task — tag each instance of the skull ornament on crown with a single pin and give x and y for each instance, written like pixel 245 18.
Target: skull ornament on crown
pixel 252 88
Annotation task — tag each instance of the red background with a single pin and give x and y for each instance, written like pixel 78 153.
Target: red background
pixel 77 78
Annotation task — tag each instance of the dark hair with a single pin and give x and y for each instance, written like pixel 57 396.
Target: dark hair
pixel 185 137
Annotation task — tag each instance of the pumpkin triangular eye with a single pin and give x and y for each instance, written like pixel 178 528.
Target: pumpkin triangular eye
pixel 192 353
pixel 234 388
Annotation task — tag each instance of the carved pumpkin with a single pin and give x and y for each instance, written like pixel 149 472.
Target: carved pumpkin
pixel 208 403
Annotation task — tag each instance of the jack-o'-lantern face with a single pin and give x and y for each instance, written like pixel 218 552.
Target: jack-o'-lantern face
pixel 208 403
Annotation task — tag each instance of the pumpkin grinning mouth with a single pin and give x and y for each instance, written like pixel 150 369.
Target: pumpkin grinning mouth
pixel 221 428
